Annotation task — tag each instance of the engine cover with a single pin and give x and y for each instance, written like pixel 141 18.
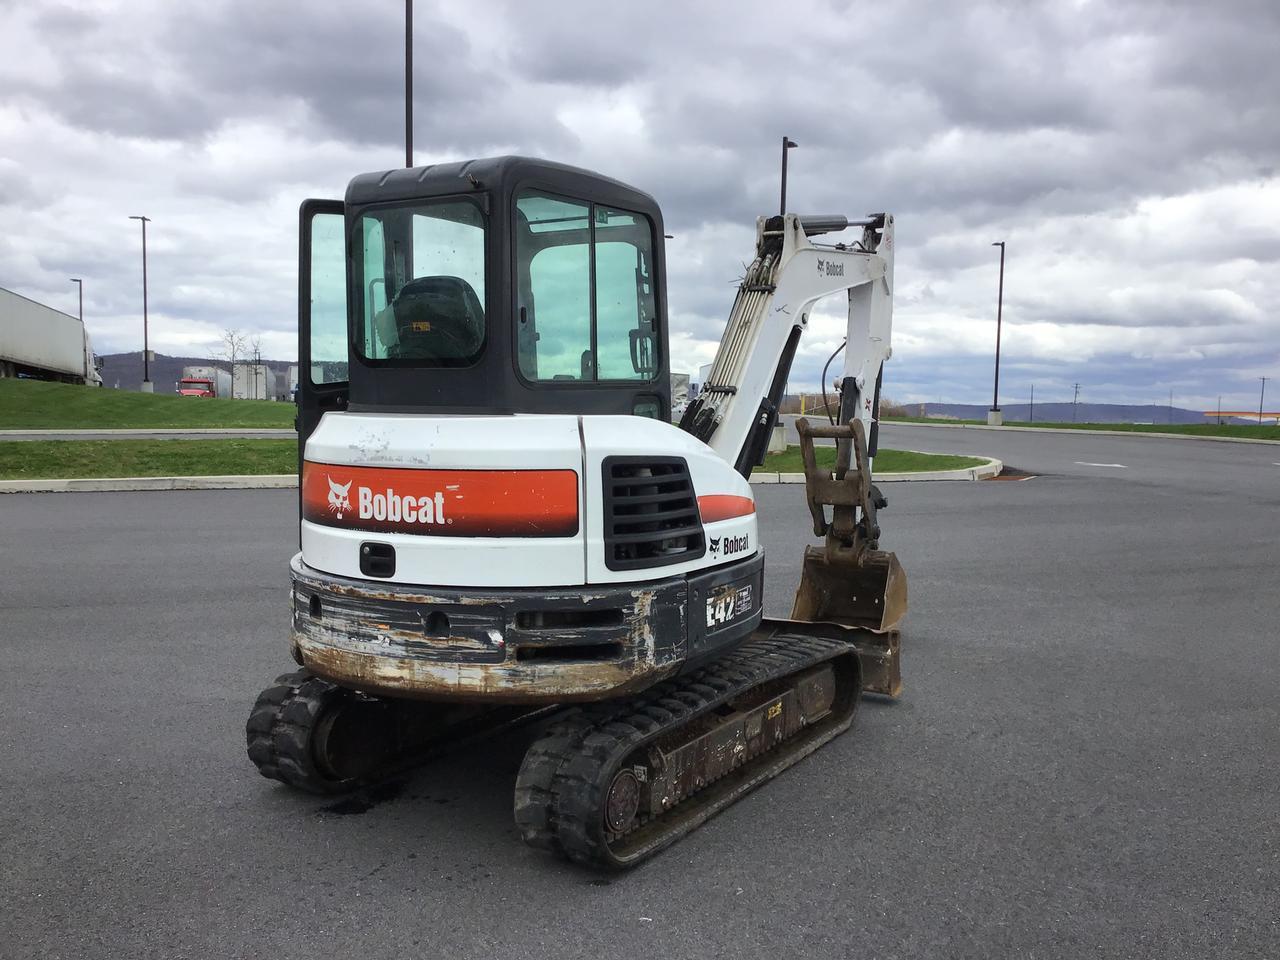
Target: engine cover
pixel 505 501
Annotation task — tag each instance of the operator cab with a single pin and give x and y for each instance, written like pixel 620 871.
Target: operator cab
pixel 484 287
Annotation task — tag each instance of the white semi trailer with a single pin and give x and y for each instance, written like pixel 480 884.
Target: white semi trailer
pixel 253 381
pixel 44 344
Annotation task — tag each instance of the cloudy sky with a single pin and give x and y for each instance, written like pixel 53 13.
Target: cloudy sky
pixel 1128 152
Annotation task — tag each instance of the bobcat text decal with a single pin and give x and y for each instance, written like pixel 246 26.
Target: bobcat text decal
pixel 442 503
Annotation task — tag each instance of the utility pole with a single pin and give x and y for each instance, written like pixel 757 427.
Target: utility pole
pixel 1170 407
pixel 1219 409
pixel 1075 400
pixel 1032 418
pixel 146 349
pixel 994 418
pixel 408 83
pixel 1262 396
pixel 787 144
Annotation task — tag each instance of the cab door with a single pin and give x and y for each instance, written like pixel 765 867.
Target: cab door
pixel 323 337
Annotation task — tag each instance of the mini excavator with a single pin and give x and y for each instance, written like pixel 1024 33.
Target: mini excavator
pixel 499 517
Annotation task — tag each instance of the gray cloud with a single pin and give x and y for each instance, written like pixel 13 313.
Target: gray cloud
pixel 1128 152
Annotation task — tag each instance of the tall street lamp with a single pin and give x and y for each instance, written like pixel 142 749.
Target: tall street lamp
pixel 995 418
pixel 408 83
pixel 787 144
pixel 80 284
pixel 147 386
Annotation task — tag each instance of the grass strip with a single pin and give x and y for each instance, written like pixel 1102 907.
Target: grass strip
pixel 1252 431
pixel 886 461
pixel 36 405
pixel 68 459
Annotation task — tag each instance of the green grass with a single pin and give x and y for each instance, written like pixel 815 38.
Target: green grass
pixel 886 461
pixel 59 459
pixel 62 459
pixel 36 405
pixel 1255 431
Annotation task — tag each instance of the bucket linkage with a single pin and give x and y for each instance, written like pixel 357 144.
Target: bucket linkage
pixel 849 580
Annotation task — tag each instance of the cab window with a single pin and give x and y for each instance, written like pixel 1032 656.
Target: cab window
pixel 586 306
pixel 422 284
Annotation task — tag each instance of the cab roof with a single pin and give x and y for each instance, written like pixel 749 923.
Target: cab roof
pixel 498 175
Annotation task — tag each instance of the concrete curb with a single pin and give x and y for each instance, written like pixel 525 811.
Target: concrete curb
pixel 1077 433
pixel 259 482
pixel 984 471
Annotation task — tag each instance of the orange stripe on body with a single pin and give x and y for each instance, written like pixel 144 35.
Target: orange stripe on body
pixel 442 503
pixel 724 506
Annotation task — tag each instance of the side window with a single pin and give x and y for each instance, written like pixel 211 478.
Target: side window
pixel 375 281
pixel 554 252
pixel 624 313
pixel 328 300
pixel 560 278
pixel 565 334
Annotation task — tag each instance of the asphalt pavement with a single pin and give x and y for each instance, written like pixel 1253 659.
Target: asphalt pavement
pixel 1083 763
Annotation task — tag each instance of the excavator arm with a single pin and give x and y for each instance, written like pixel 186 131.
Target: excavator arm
pixel 848 580
pixel 738 406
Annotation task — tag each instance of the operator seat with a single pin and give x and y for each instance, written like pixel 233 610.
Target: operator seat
pixel 439 319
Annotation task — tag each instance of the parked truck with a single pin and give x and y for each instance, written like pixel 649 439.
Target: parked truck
pixel 40 343
pixel 253 381
pixel 204 381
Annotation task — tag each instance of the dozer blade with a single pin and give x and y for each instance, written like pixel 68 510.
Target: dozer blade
pixel 871 596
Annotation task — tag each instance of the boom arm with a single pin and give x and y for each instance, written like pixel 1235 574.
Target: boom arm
pixel 738 405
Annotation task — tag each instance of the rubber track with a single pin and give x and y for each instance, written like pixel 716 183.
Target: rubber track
pixel 561 786
pixel 278 732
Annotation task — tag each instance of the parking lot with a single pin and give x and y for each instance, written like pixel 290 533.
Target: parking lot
pixel 1083 762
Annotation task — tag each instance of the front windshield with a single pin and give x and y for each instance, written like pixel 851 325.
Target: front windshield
pixel 421 277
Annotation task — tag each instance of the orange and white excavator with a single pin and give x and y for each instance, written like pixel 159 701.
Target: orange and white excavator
pixel 498 514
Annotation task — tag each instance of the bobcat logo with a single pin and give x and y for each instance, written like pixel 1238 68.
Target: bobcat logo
pixel 715 544
pixel 338 497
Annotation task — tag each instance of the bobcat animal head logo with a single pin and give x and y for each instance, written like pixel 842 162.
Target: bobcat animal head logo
pixel 715 544
pixel 338 497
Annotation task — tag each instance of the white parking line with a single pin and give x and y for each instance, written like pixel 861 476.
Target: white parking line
pixel 1118 466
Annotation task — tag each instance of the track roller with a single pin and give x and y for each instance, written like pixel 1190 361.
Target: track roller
pixel 614 783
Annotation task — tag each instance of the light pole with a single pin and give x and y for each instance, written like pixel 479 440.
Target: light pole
pixel 87 359
pixel 787 144
pixel 408 83
pixel 147 386
pixel 1262 396
pixel 995 418
pixel 80 284
pixel 1032 418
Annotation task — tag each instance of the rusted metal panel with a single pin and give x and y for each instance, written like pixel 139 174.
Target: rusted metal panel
pixel 504 646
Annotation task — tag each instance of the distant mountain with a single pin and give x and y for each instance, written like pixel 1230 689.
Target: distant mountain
pixel 1066 412
pixel 125 370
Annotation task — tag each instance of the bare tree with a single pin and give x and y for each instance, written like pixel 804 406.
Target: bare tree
pixel 233 346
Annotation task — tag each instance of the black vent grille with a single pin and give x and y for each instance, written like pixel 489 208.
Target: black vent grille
pixel 650 513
